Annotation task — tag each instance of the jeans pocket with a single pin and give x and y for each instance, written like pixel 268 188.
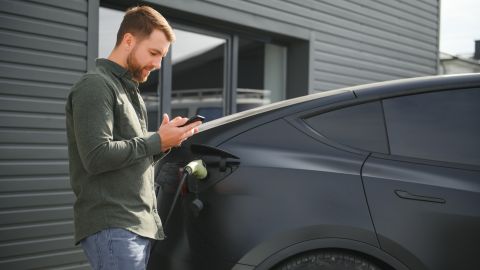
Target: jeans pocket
pixel 129 250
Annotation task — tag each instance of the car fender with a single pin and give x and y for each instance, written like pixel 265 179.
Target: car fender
pixel 271 252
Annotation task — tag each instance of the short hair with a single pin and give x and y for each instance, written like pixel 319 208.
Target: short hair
pixel 140 21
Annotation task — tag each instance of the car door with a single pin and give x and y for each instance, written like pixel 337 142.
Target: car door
pixel 424 196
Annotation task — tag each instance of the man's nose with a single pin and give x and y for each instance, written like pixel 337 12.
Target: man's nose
pixel 157 63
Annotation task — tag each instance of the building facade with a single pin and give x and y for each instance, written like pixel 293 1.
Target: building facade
pixel 247 53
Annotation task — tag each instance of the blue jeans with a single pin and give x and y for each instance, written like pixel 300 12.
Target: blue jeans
pixel 117 249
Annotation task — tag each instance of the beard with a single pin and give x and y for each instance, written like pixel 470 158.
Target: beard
pixel 139 73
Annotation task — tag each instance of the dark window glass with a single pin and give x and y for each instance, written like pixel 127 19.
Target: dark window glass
pixel 442 126
pixel 360 126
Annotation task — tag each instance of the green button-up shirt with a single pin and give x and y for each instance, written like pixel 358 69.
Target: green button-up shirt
pixel 111 154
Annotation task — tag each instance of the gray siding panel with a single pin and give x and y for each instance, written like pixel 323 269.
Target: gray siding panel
pixel 367 17
pixel 32 120
pixel 75 5
pixel 39 27
pixel 36 73
pixel 40 43
pixel 43 51
pixel 33 88
pixel 334 24
pixel 23 232
pixel 22 248
pixel 32 136
pixel 356 41
pixel 228 11
pixel 43 12
pixel 32 215
pixel 35 152
pixel 32 184
pixel 45 59
pixel 31 104
pixel 33 168
pixel 44 260
pixel 36 199
pixel 369 60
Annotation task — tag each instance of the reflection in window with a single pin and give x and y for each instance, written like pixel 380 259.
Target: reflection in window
pixel 261 74
pixel 197 75
pixel 109 23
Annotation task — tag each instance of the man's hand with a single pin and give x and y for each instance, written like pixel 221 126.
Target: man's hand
pixel 172 134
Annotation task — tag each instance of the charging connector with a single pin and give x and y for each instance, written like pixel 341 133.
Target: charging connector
pixel 196 168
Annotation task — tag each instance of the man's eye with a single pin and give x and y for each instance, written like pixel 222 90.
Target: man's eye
pixel 153 54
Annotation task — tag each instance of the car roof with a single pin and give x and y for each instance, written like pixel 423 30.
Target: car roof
pixel 417 85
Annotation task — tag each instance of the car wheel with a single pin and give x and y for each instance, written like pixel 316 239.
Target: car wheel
pixel 327 260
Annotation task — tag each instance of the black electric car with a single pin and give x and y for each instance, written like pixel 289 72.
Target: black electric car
pixel 382 176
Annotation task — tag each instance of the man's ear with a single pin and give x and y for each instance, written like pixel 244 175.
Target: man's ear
pixel 129 41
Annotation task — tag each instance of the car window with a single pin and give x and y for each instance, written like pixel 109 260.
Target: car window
pixel 441 126
pixel 360 126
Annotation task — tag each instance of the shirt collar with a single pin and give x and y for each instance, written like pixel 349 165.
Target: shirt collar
pixel 116 69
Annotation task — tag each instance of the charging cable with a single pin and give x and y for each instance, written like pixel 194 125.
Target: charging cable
pixel 196 168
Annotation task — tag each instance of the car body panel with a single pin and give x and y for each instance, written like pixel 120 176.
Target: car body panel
pixel 417 205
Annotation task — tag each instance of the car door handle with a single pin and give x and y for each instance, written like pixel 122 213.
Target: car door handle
pixel 409 196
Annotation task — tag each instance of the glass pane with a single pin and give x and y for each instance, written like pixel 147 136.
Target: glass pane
pixel 197 75
pixel 109 22
pixel 360 126
pixel 443 126
pixel 261 74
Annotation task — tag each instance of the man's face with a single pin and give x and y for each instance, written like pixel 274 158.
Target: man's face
pixel 147 55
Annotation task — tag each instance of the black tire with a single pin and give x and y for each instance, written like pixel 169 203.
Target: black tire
pixel 327 260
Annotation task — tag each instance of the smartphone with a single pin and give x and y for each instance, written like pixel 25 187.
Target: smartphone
pixel 194 119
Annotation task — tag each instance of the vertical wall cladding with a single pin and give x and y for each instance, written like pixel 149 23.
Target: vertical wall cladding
pixel 43 52
pixel 356 42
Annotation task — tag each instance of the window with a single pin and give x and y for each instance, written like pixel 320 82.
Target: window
pixel 261 74
pixel 441 126
pixel 198 74
pixel 360 126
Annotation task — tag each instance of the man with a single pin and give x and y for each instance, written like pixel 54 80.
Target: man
pixel 111 152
